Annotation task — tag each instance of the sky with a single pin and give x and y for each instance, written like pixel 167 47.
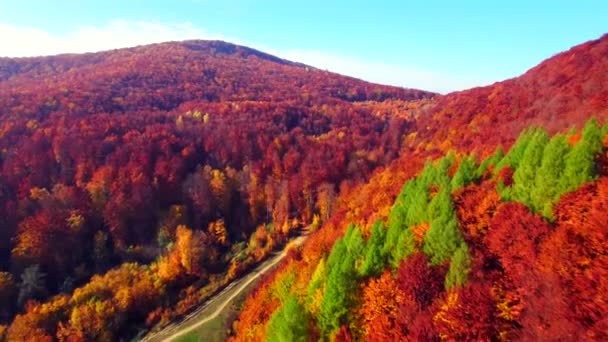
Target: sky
pixel 441 46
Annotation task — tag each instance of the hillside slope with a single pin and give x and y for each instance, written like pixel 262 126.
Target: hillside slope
pixel 482 244
pixel 135 182
pixel 560 92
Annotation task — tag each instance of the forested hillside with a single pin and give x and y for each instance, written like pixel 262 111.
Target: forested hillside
pixel 489 226
pixel 136 182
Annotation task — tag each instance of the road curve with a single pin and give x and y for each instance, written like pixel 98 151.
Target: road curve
pixel 202 315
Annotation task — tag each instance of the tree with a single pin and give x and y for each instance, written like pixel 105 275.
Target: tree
pixel 271 194
pixel 281 289
pixel 374 261
pixel 468 314
pixel 396 222
pixel 459 267
pixel 282 209
pixel 219 232
pixel 475 206
pixel 513 236
pixel 443 237
pixel 197 190
pixel 574 256
pixel 416 201
pixel 7 295
pixel 338 294
pixel 43 238
pixel 546 188
pixel 492 160
pixel 341 283
pixel 380 304
pixel 316 287
pixel 525 173
pixel 221 188
pixel 343 335
pixel 32 284
pixel 326 197
pixel 355 243
pixel 580 162
pixel 193 248
pixel 289 323
pixel 101 251
pixel 419 281
pixel 409 209
pixel 465 174
pixel 548 311
pixel 440 175
pixel 515 155
pixel 406 245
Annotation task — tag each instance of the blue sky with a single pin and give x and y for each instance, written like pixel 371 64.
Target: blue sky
pixel 436 45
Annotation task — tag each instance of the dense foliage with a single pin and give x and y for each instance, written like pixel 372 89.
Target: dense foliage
pixel 134 183
pixel 457 262
pixel 483 242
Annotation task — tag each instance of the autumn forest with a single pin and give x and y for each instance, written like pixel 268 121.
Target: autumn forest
pixel 137 183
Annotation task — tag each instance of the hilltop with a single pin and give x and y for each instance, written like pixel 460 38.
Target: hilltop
pixel 164 76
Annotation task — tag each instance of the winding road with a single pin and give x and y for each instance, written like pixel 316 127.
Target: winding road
pixel 209 310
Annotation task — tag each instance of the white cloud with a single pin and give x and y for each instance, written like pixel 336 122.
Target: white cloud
pixel 19 41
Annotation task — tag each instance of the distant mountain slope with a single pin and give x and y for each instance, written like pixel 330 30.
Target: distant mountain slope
pixel 562 91
pixel 162 76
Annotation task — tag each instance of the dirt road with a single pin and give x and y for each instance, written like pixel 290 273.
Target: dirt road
pixel 216 304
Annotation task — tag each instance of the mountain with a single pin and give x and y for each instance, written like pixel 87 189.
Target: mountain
pixel 487 227
pixel 164 76
pixel 136 182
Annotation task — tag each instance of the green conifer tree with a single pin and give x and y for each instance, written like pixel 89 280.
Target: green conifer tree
pixel 580 162
pixel 289 323
pixel 405 247
pixel 546 188
pixel 443 236
pixel 524 176
pixel 513 158
pixel 459 267
pixel 374 260
pixel 492 160
pixel 465 174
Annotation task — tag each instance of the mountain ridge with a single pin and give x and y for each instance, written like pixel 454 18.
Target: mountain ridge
pixel 182 71
pixel 218 46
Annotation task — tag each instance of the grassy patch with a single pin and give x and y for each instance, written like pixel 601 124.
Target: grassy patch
pixel 219 328
pixel 191 337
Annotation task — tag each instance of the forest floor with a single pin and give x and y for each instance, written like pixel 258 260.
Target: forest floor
pixel 212 319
